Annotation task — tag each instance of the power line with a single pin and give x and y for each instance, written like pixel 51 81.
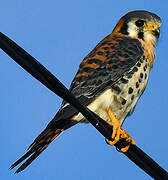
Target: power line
pixel 38 71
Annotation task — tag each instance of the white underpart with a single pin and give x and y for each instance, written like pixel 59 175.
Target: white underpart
pixel 100 106
pixel 110 100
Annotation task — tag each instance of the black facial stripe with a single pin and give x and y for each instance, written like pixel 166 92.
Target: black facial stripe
pixel 124 29
pixel 141 35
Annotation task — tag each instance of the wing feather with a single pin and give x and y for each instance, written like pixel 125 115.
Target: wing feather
pixel 107 63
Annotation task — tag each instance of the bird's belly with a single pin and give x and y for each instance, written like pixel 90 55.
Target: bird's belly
pixel 126 100
pixel 122 97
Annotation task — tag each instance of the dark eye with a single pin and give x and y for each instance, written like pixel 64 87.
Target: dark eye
pixel 139 23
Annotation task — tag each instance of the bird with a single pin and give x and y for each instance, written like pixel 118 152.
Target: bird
pixel 109 81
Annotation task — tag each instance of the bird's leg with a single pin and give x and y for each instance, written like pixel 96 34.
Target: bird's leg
pixel 118 132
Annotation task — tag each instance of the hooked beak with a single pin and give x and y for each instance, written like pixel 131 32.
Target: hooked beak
pixel 155 29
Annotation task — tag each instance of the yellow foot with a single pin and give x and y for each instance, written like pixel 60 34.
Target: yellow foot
pixel 119 133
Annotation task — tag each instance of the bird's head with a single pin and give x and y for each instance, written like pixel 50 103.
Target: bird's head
pixel 140 24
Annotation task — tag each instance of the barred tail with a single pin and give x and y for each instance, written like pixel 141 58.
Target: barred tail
pixel 63 120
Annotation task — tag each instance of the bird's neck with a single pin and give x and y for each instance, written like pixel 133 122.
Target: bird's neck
pixel 149 51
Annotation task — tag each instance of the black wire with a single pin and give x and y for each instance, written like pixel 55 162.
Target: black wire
pixel 38 71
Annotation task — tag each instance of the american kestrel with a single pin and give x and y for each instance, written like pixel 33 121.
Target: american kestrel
pixel 110 80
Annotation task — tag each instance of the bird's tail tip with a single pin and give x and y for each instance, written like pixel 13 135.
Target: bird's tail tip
pixel 36 148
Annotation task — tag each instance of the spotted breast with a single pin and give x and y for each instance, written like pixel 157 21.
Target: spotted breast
pixel 121 69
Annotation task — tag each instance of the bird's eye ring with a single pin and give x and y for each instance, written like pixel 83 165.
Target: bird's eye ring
pixel 139 23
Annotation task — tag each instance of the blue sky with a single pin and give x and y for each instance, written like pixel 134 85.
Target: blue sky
pixel 60 34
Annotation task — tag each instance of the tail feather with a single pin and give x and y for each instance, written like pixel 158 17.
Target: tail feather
pixel 62 121
pixel 31 158
pixel 37 147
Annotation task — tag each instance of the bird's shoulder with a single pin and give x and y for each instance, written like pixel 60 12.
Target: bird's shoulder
pixel 105 64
